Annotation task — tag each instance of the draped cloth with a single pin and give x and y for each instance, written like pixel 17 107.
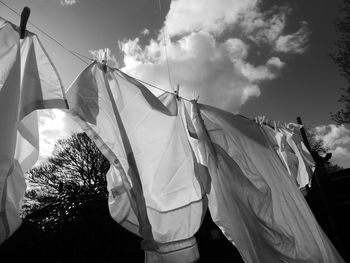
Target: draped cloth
pixel 153 184
pixel 168 156
pixel 253 199
pixel 28 81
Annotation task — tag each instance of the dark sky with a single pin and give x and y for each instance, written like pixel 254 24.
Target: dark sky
pixel 310 84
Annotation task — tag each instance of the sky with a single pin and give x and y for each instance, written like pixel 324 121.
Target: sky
pixel 253 57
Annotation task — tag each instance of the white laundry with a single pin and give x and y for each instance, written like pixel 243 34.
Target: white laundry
pixel 252 199
pixel 28 82
pixel 140 124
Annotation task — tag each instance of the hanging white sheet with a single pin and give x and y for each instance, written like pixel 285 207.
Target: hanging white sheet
pixel 28 81
pixel 124 118
pixel 253 199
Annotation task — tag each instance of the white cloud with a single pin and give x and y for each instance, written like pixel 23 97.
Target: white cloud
pixel 145 32
pixel 333 135
pixel 341 152
pixel 295 43
pixel 268 28
pixel 341 156
pixel 205 43
pixel 218 71
pixel 337 139
pixel 68 2
pixel 202 57
pixel 263 72
pixel 187 16
pixel 53 125
pixel 264 27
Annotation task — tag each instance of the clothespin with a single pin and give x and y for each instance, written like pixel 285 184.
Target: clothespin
pixel 261 119
pixel 177 91
pixel 105 56
pixel 24 19
pixel 195 96
pixel 266 121
pixel 258 118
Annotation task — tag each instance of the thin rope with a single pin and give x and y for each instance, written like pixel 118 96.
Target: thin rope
pixel 74 53
pixel 165 46
pixel 153 86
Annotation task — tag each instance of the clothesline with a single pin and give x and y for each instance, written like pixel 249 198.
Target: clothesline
pixel 165 48
pixel 190 159
pixel 80 56
pixel 74 53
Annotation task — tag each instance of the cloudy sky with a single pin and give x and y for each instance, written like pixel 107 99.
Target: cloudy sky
pixel 253 57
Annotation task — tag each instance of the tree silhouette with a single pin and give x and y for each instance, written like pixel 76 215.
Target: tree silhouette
pixel 71 178
pixel 318 147
pixel 66 214
pixel 342 59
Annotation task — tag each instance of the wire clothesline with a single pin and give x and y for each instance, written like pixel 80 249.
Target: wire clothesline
pixel 80 56
pixel 165 47
pixel 74 53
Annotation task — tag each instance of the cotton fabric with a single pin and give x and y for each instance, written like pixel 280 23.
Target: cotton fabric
pixel 125 119
pixel 253 199
pixel 28 81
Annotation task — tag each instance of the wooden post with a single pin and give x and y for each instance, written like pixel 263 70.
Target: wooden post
pixel 322 182
pixel 24 19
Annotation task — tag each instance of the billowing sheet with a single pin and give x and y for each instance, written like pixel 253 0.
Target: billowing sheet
pixel 253 199
pixel 158 195
pixel 28 81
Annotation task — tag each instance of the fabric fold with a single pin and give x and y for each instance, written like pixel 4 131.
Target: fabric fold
pixel 28 82
pixel 112 107
pixel 253 199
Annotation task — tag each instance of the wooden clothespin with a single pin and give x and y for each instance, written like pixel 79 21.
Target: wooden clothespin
pixel 261 119
pixel 177 91
pixel 24 19
pixel 105 57
pixel 195 96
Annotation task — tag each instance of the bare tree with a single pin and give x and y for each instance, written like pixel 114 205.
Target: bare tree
pixel 342 59
pixel 73 176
